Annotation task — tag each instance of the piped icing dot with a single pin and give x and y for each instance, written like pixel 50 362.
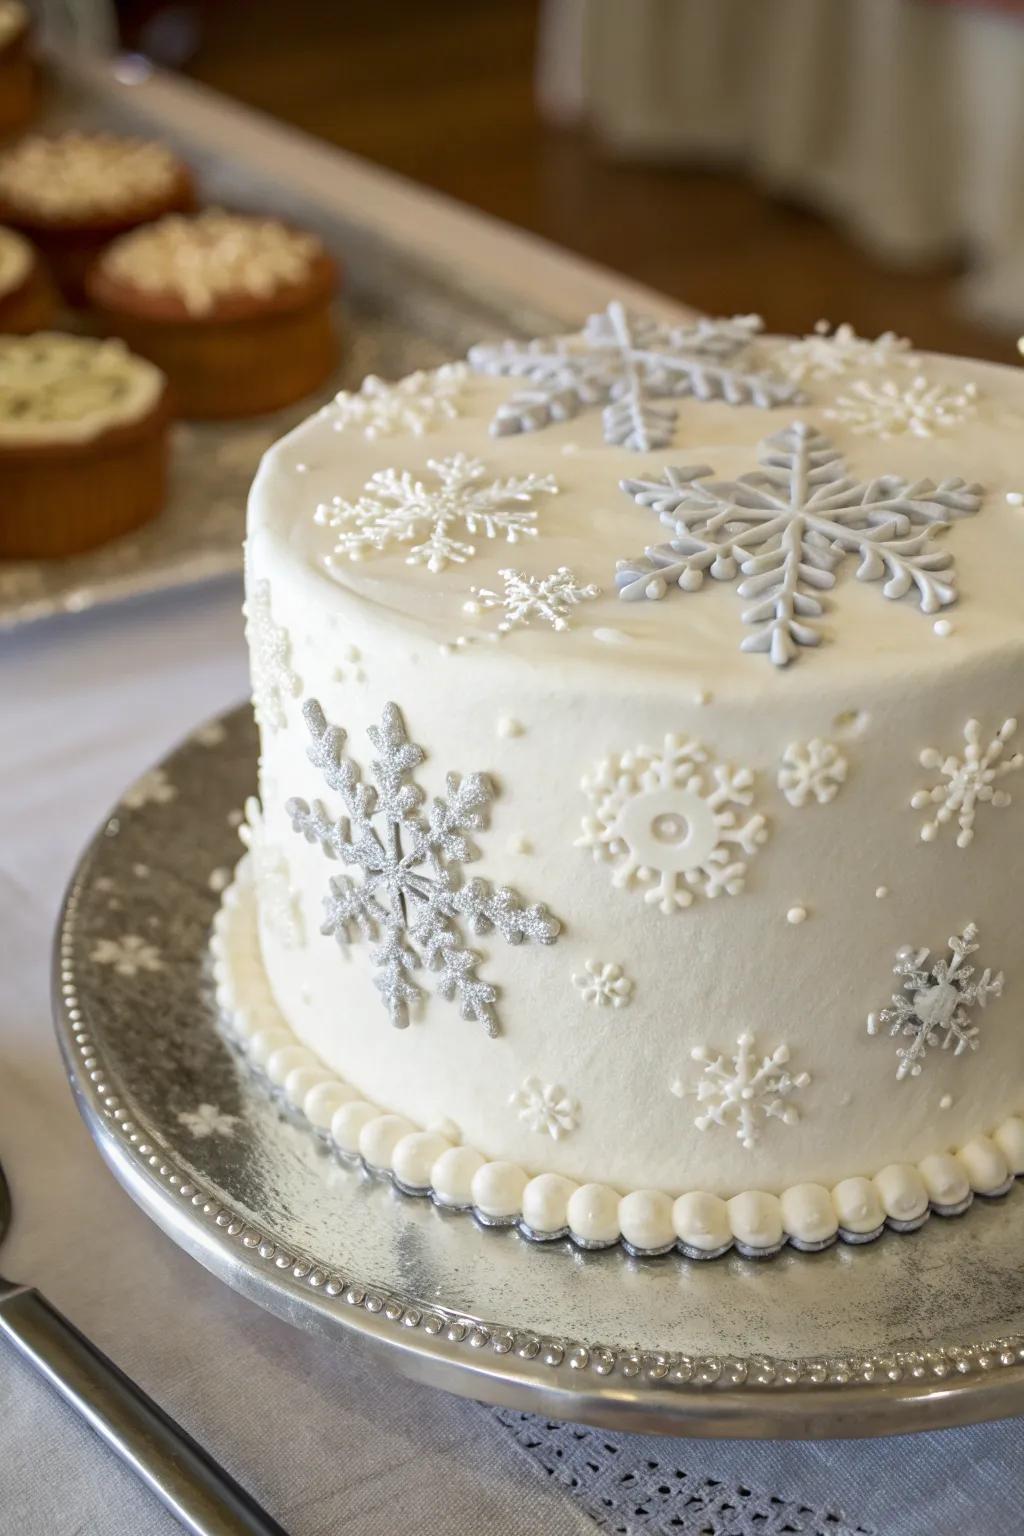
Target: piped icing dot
pixel 379 1137
pixel 498 1190
pixel 414 1156
pixel 519 843
pixel 324 1099
pixel 1015 498
pixel 701 1221
pixel 756 1219
pixel 302 1079
pixel 508 727
pixel 645 1220
pixel 985 1165
pixel 546 1203
pixel 347 1123
pixel 858 1206
pixel 808 1214
pixel 902 1192
pixel 943 628
pixel 946 1102
pixel 593 1212
pixel 881 892
pixel 452 1176
pixel 796 915
pixel 945 1179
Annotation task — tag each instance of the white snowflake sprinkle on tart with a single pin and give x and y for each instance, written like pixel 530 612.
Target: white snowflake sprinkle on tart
pixel 671 823
pixel 918 409
pixel 829 354
pixel 603 984
pixel 934 1008
pixel 742 1091
pixel 785 528
pixel 395 508
pixel 270 650
pixel 969 781
pixel 524 598
pixel 809 770
pixel 414 404
pixel 546 1107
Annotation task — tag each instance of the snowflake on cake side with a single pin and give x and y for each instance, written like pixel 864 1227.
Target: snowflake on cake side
pixel 969 781
pixel 278 902
pixel 626 364
pixel 809 770
pixel 786 527
pixel 742 1090
pixel 603 984
pixel 524 598
pixel 411 901
pixel 933 1010
pixel 414 404
pixel 672 822
pixel 887 408
pixel 829 354
pixel 270 650
pixel 396 508
pixel 546 1107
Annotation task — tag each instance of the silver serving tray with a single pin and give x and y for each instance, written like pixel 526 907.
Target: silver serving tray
pixel 912 1332
pixel 423 280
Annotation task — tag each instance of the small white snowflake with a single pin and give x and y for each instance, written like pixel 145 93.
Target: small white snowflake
pixel 395 508
pixel 932 1010
pixel 207 1120
pixel 670 821
pixel 533 597
pixel 128 955
pixel 546 1107
pixel 828 354
pixel 270 650
pixel 154 788
pixel 604 985
pixel 918 409
pixel 811 768
pixel 278 902
pixel 740 1090
pixel 415 404
pixel 969 781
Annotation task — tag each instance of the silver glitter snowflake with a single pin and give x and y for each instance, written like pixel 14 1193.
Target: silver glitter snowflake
pixel 784 528
pixel 546 1107
pixel 829 354
pixel 414 404
pixel 396 508
pixel 627 363
pixel 411 898
pixel 934 1008
pixel 549 598
pixel 969 781
pixel 270 650
pixel 888 408
pixel 742 1090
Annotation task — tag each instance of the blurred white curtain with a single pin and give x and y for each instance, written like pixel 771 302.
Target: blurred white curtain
pixel 904 119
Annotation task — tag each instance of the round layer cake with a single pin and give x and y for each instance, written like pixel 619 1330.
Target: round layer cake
pixel 642 822
pixel 235 309
pixel 17 67
pixel 28 301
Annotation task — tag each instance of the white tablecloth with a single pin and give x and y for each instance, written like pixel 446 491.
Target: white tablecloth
pixel 85 705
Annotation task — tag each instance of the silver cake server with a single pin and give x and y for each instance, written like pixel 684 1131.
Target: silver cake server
pixel 201 1495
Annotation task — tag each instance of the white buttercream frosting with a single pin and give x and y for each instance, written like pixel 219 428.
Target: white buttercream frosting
pixel 56 388
pixel 15 257
pixel 85 175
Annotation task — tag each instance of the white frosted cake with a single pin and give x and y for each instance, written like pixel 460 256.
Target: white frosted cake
pixel 640 843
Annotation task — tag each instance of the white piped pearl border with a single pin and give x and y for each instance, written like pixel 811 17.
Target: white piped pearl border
pixel 547 1206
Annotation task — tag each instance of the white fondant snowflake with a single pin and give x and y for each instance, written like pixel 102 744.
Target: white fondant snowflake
pixel 208 1120
pixel 411 898
pixel 968 783
pixel 786 527
pixel 270 651
pixel 933 1009
pixel 828 354
pixel 395 508
pixel 128 955
pixel 887 408
pixel 809 769
pixel 671 822
pixel 546 1107
pixel 626 363
pixel 605 985
pixel 550 598
pixel 154 788
pixel 741 1090
pixel 278 902
pixel 414 404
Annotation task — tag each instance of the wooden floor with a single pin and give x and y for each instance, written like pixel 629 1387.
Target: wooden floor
pixel 442 92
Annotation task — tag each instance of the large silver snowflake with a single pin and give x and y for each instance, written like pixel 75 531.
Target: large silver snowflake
pixel 411 897
pixel 395 508
pixel 743 1090
pixel 784 528
pixel 626 363
pixel 933 1009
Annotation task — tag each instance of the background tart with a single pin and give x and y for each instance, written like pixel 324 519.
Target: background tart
pixel 75 192
pixel 17 67
pixel 28 300
pixel 83 443
pixel 235 309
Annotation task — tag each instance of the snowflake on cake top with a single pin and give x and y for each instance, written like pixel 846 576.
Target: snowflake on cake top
pixel 603 984
pixel 547 598
pixel 411 899
pixel 546 1107
pixel 933 1010
pixel 829 354
pixel 396 508
pixel 969 781
pixel 887 408
pixel 270 651
pixel 784 528
pixel 627 363
pixel 414 404
pixel 742 1090
pixel 672 822
pixel 278 902
pixel 811 770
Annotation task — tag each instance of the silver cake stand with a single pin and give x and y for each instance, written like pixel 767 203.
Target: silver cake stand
pixel 909 1333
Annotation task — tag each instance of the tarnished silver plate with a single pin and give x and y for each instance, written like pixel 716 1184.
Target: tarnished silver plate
pixel 909 1333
